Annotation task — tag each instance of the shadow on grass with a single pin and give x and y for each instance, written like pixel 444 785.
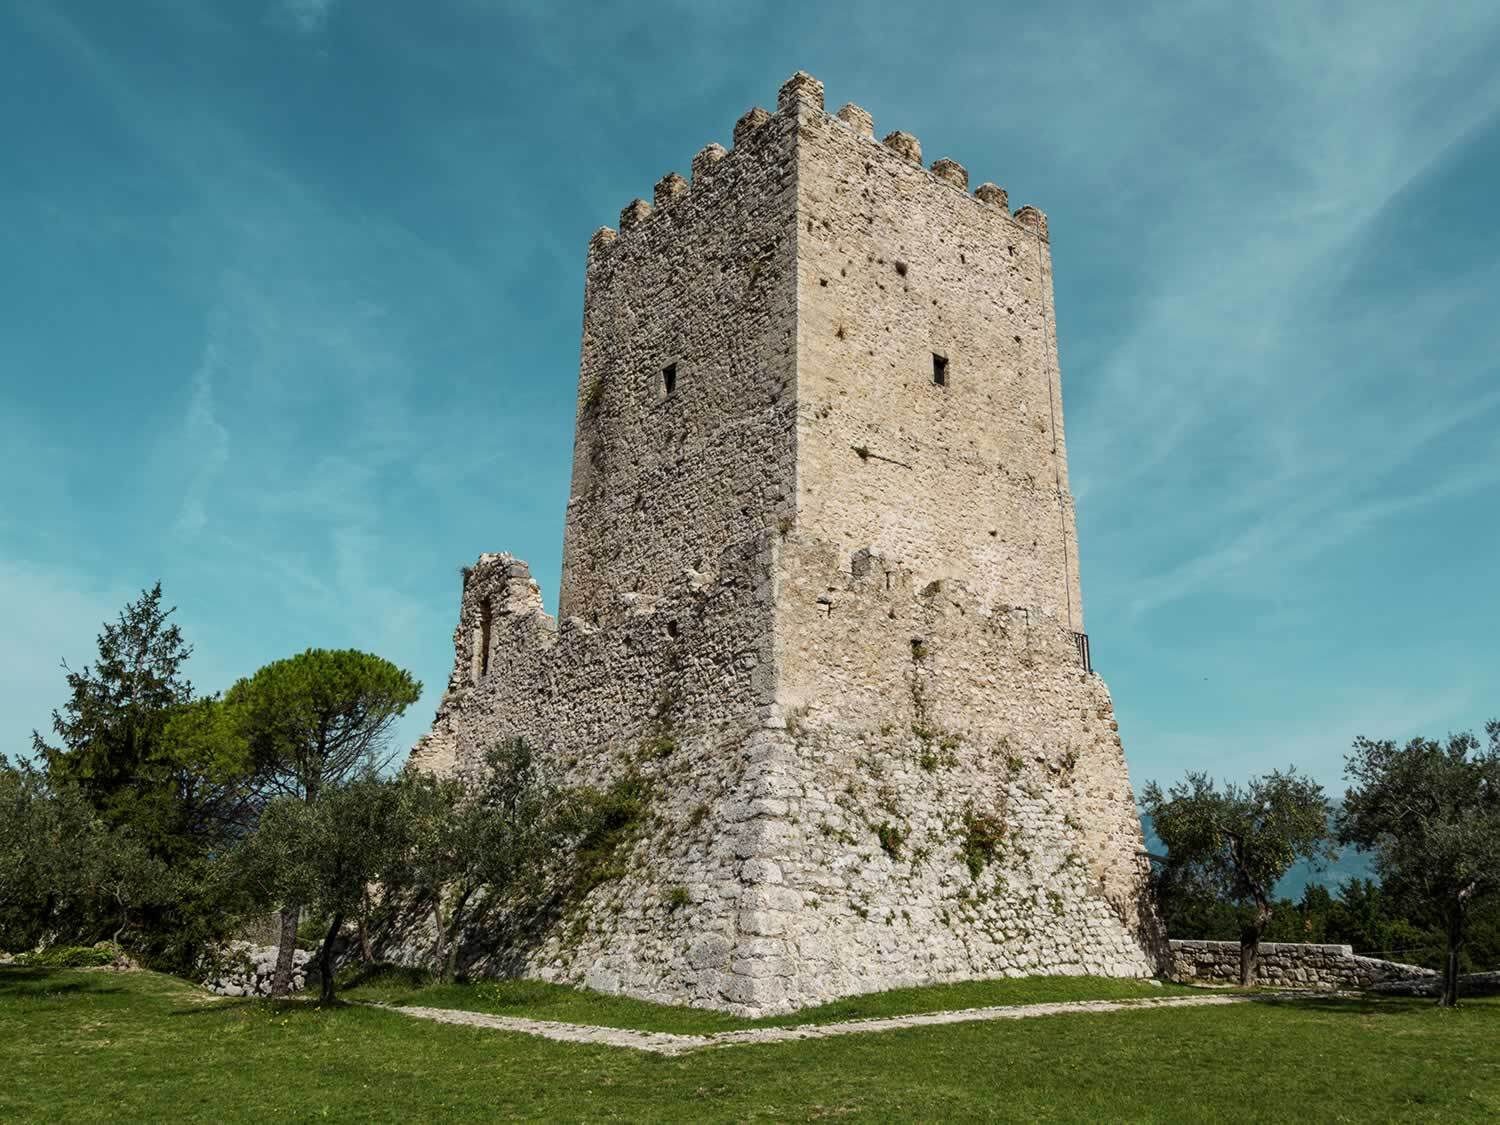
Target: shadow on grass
pixel 384 974
pixel 1362 1005
pixel 18 981
pixel 294 1007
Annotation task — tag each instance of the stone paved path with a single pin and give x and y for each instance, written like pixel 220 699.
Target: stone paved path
pixel 665 1043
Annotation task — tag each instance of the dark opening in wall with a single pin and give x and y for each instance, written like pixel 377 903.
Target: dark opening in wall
pixel 940 369
pixel 486 619
pixel 669 379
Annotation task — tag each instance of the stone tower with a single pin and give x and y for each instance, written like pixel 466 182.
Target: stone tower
pixel 820 591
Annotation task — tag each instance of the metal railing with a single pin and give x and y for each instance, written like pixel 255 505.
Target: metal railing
pixel 1081 641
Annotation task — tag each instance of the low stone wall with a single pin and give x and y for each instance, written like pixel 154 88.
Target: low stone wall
pixel 248 969
pixel 1469 984
pixel 1287 965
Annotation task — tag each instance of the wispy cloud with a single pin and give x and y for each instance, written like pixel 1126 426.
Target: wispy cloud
pixel 203 448
pixel 305 17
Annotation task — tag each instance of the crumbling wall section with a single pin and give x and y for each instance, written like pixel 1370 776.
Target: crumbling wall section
pixel 698 654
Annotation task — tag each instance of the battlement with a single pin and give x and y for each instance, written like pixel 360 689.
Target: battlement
pixel 802 95
pixel 704 340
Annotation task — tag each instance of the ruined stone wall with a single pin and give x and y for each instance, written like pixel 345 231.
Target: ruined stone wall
pixel 898 788
pixel 821 606
pixel 1288 965
pixel 955 795
pixel 590 697
pixel 896 264
pixel 673 690
pixel 701 283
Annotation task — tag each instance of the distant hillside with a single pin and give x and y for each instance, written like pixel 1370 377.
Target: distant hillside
pixel 1351 864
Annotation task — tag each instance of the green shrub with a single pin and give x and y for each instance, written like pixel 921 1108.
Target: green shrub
pixel 662 746
pixel 607 822
pixel 70 957
pixel 983 840
pixel 891 839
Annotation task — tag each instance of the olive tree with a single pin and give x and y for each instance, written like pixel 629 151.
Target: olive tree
pixel 324 855
pixel 313 723
pixel 1430 812
pixel 485 842
pixel 65 871
pixel 1238 841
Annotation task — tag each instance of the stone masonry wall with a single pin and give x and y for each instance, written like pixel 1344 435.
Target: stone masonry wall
pixel 820 604
pixel 1287 965
pixel 896 263
pixel 971 819
pixel 703 283
pixel 590 696
pixel 953 802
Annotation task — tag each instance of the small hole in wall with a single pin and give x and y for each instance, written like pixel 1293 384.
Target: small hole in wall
pixel 940 369
pixel 669 379
pixel 672 629
pixel 823 281
pixel 809 226
pixel 840 332
pixel 962 260
pixel 901 269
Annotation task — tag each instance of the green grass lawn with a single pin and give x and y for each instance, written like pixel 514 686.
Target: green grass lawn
pixel 539 1000
pixel 81 1046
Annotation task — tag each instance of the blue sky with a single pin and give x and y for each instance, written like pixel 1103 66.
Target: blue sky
pixel 292 292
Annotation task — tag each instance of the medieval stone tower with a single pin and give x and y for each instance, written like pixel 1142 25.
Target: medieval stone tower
pixel 820 591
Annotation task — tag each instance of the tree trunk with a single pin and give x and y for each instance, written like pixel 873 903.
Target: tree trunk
pixel 281 981
pixel 1449 997
pixel 325 959
pixel 440 945
pixel 124 920
pixel 1250 949
pixel 1249 958
pixel 455 938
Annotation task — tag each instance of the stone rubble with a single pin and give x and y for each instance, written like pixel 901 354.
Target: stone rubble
pixel 249 969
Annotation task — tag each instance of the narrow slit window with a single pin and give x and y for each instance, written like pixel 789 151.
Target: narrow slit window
pixel 668 380
pixel 486 619
pixel 940 369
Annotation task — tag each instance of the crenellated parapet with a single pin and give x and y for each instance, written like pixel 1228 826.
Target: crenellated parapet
pixel 1033 219
pixel 707 160
pixel 800 91
pixel 802 94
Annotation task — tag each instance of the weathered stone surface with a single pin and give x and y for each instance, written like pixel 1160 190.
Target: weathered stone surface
pixel 820 535
pixel 1289 965
pixel 248 970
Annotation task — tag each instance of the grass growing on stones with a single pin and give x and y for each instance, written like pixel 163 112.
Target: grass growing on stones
pixel 543 1001
pixel 92 1046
